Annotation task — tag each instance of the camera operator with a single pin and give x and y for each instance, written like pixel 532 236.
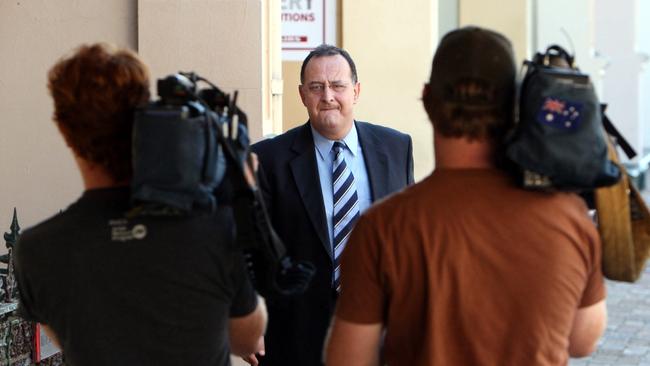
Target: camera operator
pixel 114 289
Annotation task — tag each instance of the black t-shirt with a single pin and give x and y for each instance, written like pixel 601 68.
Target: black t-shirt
pixel 138 291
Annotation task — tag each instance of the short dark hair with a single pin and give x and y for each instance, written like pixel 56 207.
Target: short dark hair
pixel 472 85
pixel 96 91
pixel 329 50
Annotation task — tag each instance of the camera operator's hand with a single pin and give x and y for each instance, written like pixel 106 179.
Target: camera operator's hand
pixel 252 358
pixel 253 162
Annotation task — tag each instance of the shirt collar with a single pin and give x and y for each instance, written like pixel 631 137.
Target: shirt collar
pixel 324 145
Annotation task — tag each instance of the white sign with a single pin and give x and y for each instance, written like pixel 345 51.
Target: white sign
pixel 306 24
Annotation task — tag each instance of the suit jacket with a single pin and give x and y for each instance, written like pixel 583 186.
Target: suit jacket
pixel 290 183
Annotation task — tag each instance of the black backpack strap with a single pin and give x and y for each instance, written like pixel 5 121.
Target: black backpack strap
pixel 612 131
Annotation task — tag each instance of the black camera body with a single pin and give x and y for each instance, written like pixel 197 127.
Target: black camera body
pixel 178 146
pixel 190 149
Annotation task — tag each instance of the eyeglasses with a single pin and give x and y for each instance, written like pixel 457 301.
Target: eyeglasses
pixel 318 88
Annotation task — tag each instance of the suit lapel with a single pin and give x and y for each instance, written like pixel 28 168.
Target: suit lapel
pixel 305 174
pixel 376 159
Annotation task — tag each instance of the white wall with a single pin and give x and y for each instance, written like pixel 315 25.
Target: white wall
pixel 616 39
pixel 447 16
pixel 575 34
pixel 513 18
pixel 38 173
pixel 643 48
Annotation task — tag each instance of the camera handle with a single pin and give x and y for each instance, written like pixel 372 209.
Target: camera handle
pixel 273 272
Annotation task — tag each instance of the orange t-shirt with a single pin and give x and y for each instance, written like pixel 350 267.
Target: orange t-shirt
pixel 465 268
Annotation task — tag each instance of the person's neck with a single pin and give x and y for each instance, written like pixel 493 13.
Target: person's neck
pixel 461 153
pixel 95 176
pixel 337 135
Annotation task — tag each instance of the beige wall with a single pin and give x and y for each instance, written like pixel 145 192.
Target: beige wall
pixel 219 39
pixel 392 44
pixel 272 83
pixel 293 112
pixel 38 173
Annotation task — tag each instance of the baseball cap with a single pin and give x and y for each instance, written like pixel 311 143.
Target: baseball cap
pixel 474 54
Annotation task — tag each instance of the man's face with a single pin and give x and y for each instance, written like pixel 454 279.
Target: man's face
pixel 329 94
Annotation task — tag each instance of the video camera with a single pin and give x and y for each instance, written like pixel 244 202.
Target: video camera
pixel 190 150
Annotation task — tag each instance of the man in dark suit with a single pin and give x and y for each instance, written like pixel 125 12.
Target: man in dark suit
pixel 317 179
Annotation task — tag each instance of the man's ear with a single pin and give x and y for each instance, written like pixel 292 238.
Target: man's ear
pixel 357 91
pixel 426 90
pixel 426 98
pixel 63 131
pixel 302 91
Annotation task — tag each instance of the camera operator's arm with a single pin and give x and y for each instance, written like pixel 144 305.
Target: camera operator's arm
pixel 246 331
pixel 588 327
pixel 591 316
pixel 247 313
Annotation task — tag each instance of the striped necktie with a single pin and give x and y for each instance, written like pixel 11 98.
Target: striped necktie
pixel 346 207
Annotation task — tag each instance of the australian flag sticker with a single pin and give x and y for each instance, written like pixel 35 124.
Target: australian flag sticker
pixel 559 113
